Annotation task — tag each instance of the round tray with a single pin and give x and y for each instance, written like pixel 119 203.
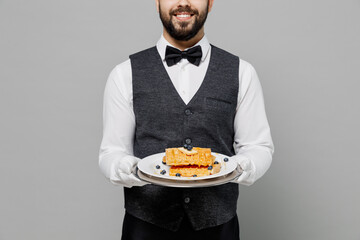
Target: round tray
pixel 189 184
pixel 148 165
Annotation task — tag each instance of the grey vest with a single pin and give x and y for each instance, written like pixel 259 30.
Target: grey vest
pixel 163 120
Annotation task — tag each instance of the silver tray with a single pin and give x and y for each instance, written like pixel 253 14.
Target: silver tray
pixel 189 184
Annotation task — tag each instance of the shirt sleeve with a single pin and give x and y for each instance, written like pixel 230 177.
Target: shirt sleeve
pixel 118 121
pixel 253 144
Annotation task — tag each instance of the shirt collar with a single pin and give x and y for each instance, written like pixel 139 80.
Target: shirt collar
pixel 162 43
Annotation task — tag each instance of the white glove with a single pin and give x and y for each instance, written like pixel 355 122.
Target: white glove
pixel 125 172
pixel 247 176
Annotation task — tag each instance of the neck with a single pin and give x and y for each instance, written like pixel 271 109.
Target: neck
pixel 182 45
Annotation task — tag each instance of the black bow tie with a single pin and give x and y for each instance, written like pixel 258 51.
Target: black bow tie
pixel 174 55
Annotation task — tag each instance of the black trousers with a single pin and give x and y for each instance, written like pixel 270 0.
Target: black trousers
pixel 137 229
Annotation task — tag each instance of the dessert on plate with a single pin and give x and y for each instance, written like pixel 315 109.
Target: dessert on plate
pixel 191 162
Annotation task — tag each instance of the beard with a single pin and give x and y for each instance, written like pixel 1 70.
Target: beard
pixel 185 30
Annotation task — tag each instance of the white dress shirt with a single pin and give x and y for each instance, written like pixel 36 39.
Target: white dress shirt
pixel 252 142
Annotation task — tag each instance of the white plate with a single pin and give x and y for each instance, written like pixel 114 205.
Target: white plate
pixel 148 166
pixel 189 184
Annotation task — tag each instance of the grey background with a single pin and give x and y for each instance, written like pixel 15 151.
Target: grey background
pixel 55 57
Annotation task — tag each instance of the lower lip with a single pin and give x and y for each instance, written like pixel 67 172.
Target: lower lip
pixel 183 19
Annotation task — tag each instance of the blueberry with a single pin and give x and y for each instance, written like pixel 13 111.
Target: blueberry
pixel 185 145
pixel 163 172
pixel 216 162
pixel 210 167
pixel 189 147
pixel 163 162
pixel 157 166
pixel 178 174
pixel 194 175
pixel 226 159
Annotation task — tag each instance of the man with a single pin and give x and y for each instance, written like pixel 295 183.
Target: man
pixel 183 91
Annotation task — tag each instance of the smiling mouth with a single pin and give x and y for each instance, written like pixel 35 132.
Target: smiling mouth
pixel 183 15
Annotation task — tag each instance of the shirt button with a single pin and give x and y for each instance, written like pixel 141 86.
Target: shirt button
pixel 187 200
pixel 188 141
pixel 187 112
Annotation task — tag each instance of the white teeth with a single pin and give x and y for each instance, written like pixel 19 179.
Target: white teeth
pixel 183 16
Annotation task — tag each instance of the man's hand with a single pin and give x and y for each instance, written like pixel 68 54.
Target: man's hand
pixel 125 171
pixel 246 178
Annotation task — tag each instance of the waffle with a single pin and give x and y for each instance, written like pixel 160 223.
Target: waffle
pixel 181 156
pixel 194 170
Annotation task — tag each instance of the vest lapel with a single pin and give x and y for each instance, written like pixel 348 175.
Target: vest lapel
pixel 167 80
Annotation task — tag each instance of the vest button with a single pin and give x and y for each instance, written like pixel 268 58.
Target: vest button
pixel 187 112
pixel 187 200
pixel 188 141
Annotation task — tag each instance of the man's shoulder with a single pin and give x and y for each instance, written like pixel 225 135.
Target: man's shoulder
pixel 243 63
pixel 246 65
pixel 125 66
pixel 122 67
pixel 144 52
pixel 224 52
